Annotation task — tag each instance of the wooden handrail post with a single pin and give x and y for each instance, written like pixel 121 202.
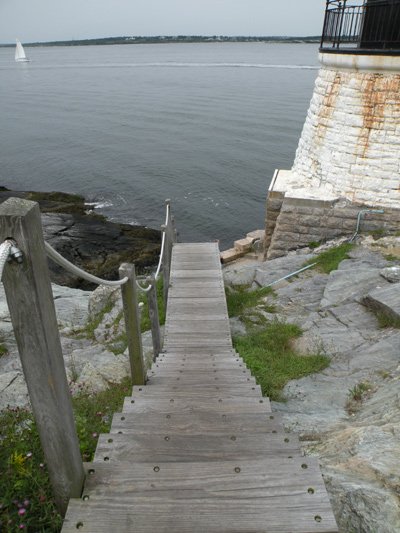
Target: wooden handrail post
pixel 132 323
pixel 154 317
pixel 30 301
pixel 165 266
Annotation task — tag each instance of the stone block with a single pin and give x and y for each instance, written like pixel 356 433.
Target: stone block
pixel 256 235
pixel 230 255
pixel 386 300
pixel 243 245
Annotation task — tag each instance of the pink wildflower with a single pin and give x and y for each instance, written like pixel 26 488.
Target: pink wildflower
pixel 21 511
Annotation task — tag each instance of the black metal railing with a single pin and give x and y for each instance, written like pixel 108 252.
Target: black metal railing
pixel 362 26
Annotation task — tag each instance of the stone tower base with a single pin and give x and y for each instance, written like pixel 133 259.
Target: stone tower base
pixel 297 218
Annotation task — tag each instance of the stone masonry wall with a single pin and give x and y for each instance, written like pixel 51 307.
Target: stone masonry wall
pixel 351 138
pixel 301 221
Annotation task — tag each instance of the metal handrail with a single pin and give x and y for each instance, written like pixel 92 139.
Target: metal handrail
pixel 361 26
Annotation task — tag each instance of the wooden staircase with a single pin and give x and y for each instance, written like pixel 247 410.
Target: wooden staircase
pixel 198 449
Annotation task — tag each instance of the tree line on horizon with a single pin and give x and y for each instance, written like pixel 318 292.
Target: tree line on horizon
pixel 175 39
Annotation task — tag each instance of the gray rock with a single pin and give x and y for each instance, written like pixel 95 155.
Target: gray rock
pixel 386 300
pixel 271 271
pixel 237 327
pixel 240 275
pixel 71 305
pixel 303 294
pixel 361 505
pixel 101 297
pixel 364 257
pixel 391 274
pixel 355 316
pixel 13 391
pixel 350 284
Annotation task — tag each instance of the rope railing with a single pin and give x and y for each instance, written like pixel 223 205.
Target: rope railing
pixel 161 258
pixel 9 250
pixel 70 267
pixel 5 248
pixel 30 301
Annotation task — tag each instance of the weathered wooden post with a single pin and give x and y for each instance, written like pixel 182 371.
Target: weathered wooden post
pixel 30 301
pixel 154 317
pixel 132 323
pixel 165 267
pixel 169 241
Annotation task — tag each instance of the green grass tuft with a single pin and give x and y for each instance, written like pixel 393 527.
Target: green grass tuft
pixel 271 359
pixel 24 480
pixel 240 299
pixel 386 320
pixel 145 322
pixel 330 260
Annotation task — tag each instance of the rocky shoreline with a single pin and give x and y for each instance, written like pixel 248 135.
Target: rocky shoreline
pixel 348 415
pixel 88 240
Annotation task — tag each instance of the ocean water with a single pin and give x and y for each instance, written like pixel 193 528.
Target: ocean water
pixel 128 126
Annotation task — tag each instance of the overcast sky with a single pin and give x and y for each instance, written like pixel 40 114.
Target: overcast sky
pixel 51 20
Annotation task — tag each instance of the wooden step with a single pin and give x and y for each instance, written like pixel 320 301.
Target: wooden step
pixel 199 373
pixel 172 448
pixel 210 423
pixel 204 377
pixel 263 496
pixel 199 393
pixel 196 361
pixel 172 404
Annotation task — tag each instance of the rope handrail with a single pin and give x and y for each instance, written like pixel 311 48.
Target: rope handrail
pixel 5 248
pixel 60 260
pixel 160 261
pixel 5 251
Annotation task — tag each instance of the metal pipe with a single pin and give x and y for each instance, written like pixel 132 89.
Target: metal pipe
pixel 290 275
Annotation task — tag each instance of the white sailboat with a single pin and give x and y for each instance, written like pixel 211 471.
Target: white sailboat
pixel 20 53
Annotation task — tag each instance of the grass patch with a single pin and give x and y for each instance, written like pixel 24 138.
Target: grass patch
pixel 330 260
pixel 272 361
pixel 3 349
pixel 314 244
pixel 391 257
pixel 145 320
pixel 119 342
pixel 93 324
pixel 358 394
pixel 240 299
pixel 386 321
pixel 26 501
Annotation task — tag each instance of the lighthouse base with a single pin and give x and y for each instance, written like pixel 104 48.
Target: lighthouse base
pixel 297 217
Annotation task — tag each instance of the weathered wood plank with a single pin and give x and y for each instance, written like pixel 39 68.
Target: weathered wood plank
pixel 195 393
pixel 194 292
pixel 205 371
pixel 192 448
pixel 196 325
pixel 224 404
pixel 132 320
pixel 225 497
pixel 211 423
pixel 182 274
pixel 154 317
pixel 203 380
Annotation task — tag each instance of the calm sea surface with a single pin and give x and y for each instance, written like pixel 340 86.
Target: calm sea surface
pixel 128 126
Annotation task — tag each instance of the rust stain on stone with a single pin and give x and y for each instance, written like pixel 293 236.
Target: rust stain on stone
pixel 323 118
pixel 329 101
pixel 378 93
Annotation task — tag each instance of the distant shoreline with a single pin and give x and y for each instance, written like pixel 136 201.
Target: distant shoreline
pixel 165 39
